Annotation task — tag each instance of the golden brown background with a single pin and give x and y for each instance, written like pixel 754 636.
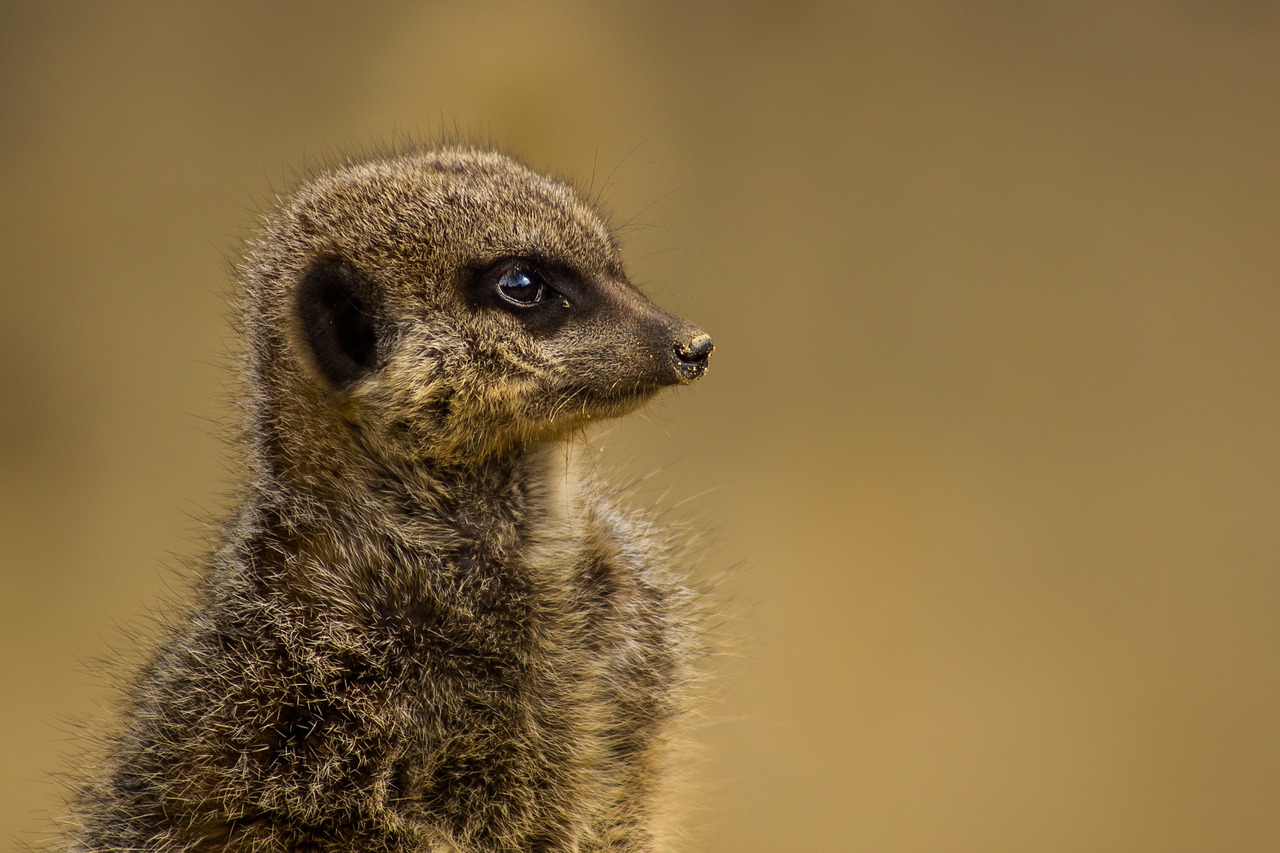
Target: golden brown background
pixel 990 434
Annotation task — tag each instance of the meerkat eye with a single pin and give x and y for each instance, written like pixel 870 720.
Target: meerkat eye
pixel 521 286
pixel 541 295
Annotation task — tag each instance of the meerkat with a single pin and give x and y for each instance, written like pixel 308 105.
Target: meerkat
pixel 425 628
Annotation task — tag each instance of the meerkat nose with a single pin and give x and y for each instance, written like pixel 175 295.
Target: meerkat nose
pixel 692 349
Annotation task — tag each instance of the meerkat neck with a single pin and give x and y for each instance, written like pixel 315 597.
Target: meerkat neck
pixel 424 508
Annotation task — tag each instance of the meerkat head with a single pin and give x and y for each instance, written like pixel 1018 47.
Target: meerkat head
pixel 450 306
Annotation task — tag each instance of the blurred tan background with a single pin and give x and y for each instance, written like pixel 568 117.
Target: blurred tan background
pixel 990 434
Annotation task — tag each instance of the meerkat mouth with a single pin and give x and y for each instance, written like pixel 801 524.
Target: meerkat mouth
pixel 584 402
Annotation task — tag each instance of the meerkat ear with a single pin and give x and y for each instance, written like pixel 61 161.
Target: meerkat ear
pixel 339 321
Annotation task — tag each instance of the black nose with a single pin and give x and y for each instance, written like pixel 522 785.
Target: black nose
pixel 691 352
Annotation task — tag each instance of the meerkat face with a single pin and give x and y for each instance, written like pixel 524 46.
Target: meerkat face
pixel 449 306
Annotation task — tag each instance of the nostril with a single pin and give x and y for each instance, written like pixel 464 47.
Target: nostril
pixel 696 350
pixel 690 360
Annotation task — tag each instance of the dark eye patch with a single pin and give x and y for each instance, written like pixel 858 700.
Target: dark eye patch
pixel 542 295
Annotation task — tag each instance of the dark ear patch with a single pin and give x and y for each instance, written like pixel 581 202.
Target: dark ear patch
pixel 338 320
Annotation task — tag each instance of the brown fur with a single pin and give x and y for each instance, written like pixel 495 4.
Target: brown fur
pixel 426 628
